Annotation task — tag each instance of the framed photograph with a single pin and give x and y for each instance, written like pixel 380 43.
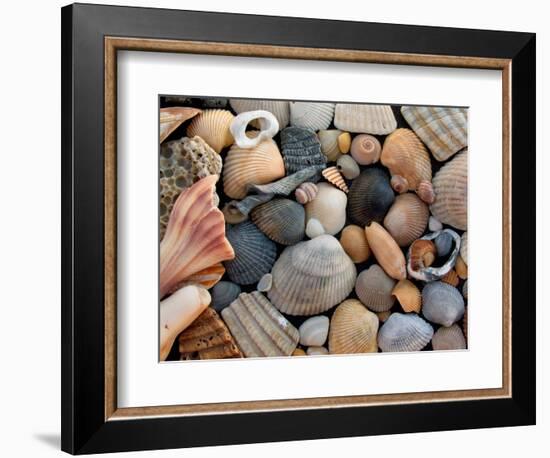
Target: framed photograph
pixel 292 228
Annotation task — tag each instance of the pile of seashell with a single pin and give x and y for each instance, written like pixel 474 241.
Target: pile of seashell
pixel 305 228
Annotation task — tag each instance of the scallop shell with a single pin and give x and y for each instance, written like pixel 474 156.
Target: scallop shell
pixel 314 228
pixel 329 143
pixel 374 289
pixel 408 295
pixel 329 207
pixel 282 220
pixel 301 149
pixel 279 108
pixel 348 167
pixel 386 251
pixel 353 329
pixel 223 294
pixel 464 247
pixel 366 149
pixel 443 130
pixel 311 277
pixel 314 331
pixel 311 115
pixel 354 242
pixel 370 197
pixel 451 192
pixel 244 167
pixel 264 285
pixel 258 328
pixel 451 278
pixel 195 236
pixel 461 268
pixel 369 119
pixel 442 303
pixel 407 219
pixel 404 332
pixel 451 338
pixel 173 117
pixel 306 192
pixel 268 128
pixel 254 253
pixel 213 127
pixel 316 351
pixel 333 175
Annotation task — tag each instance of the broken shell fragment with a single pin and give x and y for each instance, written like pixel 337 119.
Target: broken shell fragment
pixel 213 127
pixel 408 295
pixel 264 285
pixel 269 126
pixel 279 108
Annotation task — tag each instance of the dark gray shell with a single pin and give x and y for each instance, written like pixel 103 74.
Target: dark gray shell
pixel 223 293
pixel 282 220
pixel 442 303
pixel 370 197
pixel 301 149
pixel 404 332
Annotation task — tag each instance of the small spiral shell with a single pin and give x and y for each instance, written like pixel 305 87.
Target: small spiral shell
pixel 306 192
pixel 366 149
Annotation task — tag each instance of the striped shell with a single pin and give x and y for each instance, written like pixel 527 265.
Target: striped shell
pixel 311 277
pixel 442 303
pixel 254 253
pixel 330 144
pixel 301 149
pixel 213 127
pixel 366 149
pixel 258 328
pixel 354 242
pixel 314 331
pixel 464 247
pixel 404 332
pixel 374 289
pixel 368 119
pixel 451 192
pixel 353 329
pixel 329 207
pixel 443 130
pixel 223 294
pixel 407 219
pixel 279 109
pixel 333 175
pixel 451 338
pixel 306 192
pixel 206 277
pixel 386 251
pixel 370 197
pixel 282 220
pixel 408 295
pixel 172 117
pixel 348 167
pixel 311 115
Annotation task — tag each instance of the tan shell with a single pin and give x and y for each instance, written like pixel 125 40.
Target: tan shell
pixel 450 338
pixel 243 167
pixel 451 278
pixel 206 277
pixel 374 289
pixel 329 207
pixel 451 192
pixel 407 219
pixel 423 254
pixel 387 252
pixel 298 352
pixel 329 143
pixel 333 175
pixel 173 117
pixel 279 108
pixel 353 329
pixel 464 247
pixel 383 316
pixel 408 295
pixel 368 119
pixel 354 242
pixel 365 149
pixel 461 268
pixel 213 127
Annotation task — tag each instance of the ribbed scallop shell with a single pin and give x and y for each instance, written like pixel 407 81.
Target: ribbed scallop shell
pixel 279 108
pixel 301 149
pixel 311 277
pixel 311 115
pixel 407 219
pixel 329 207
pixel 333 175
pixel 348 167
pixel 365 149
pixel 213 127
pixel 370 197
pixel 368 119
pixel 442 303
pixel 244 167
pixel 451 192
pixel 306 192
pixel 374 289
pixel 404 332
pixel 387 252
pixel 282 220
pixel 451 338
pixel 223 294
pixel 254 253
pixel 329 143
pixel 353 329
pixel 443 130
pixel 172 117
pixel 354 242
pixel 258 328
pixel 464 248
pixel 408 295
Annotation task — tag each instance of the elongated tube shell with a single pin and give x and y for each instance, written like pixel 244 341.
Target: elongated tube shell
pixel 333 176
pixel 404 332
pixel 213 127
pixel 353 329
pixel 407 219
pixel 387 252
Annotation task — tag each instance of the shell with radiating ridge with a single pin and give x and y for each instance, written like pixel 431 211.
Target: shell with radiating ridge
pixel 450 184
pixel 223 294
pixel 258 328
pixel 312 276
pixel 408 295
pixel 386 251
pixel 407 218
pixel 254 253
pixel 348 167
pixel 353 329
pixel 213 127
pixel 244 167
pixel 329 143
pixel 464 247
pixel 195 236
pixel 374 289
pixel 329 207
pixel 314 331
pixel 282 220
pixel 311 115
pixel 367 119
pixel 370 197
pixel 333 175
pixel 451 338
pixel 207 278
pixel 301 149
pixel 279 108
pixel 404 332
pixel 172 117
pixel 451 278
pixel 365 149
pixel 306 192
pixel 444 130
pixel 354 242
pixel 442 303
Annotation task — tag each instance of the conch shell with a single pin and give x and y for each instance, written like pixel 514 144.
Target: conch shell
pixel 387 252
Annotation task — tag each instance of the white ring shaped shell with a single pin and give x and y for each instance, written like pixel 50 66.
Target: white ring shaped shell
pixel 269 126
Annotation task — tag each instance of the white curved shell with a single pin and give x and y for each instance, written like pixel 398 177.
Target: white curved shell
pixel 328 207
pixel 269 126
pixel 311 115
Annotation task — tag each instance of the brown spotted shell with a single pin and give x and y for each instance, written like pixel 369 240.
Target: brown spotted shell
pixel 407 219
pixel 213 127
pixel 408 295
pixel 387 252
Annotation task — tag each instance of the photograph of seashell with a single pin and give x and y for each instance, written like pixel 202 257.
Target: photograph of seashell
pixel 295 228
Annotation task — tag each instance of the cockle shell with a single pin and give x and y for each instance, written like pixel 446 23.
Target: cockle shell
pixel 370 197
pixel 258 328
pixel 213 127
pixel 450 338
pixel 369 119
pixel 244 167
pixel 366 149
pixel 314 228
pixel 374 289
pixel 282 220
pixel 354 242
pixel 422 254
pixel 316 351
pixel 223 294
pixel 306 192
pixel 348 167
pixel 314 331
pixel 442 303
pixel 386 251
pixel 333 175
pixel 407 219
pixel 268 128
pixel 195 236
pixel 301 149
pixel 172 117
pixel 329 207
pixel 254 253
pixel 311 277
pixel 450 185
pixel 404 332
pixel 279 108
pixel 464 247
pixel 408 295
pixel 311 115
pixel 264 285
pixel 353 329
pixel 444 130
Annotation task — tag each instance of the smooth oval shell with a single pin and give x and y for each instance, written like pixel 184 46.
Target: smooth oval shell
pixel 314 228
pixel 301 149
pixel 408 295
pixel 299 352
pixel 282 220
pixel 370 197
pixel 387 252
pixel 279 108
pixel 404 332
pixel 328 207
pixel 344 142
pixel 464 247
pixel 213 127
pixel 353 329
pixel 268 124
pixel 354 242
pixel 365 149
pixel 311 277
pixel 434 225
pixel 333 176
pixel 407 219
pixel 316 351
pixel 223 294
pixel 329 143
pixel 314 331
pixel 451 338
pixel 172 117
pixel 442 303
pixel 264 285
pixel 361 118
pixel 374 289
pixel 306 192
pixel 311 115
pixel 348 167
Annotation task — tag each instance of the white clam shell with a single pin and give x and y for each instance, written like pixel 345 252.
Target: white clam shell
pixel 316 351
pixel 269 126
pixel 314 331
pixel 311 115
pixel 329 207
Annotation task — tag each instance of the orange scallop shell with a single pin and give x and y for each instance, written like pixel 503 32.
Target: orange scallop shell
pixel 213 127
